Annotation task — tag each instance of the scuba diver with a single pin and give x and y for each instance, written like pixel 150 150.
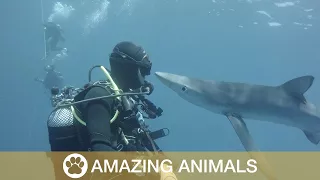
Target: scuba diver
pixel 53 34
pixel 109 115
pixel 52 78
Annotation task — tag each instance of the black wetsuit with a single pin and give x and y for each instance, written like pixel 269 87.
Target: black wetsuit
pixel 52 79
pixel 66 133
pixel 53 36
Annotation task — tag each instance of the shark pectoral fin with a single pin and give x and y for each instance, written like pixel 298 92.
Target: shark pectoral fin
pixel 313 137
pixel 243 133
pixel 298 86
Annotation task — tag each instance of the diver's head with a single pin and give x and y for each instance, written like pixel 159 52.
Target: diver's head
pixel 130 65
pixel 55 90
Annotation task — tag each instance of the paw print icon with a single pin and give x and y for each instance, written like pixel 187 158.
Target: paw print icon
pixel 75 166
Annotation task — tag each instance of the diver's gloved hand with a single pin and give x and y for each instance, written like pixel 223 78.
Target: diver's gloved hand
pixel 152 110
pixel 148 87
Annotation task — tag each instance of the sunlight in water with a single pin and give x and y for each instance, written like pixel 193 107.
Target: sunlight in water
pixel 98 16
pixel 60 12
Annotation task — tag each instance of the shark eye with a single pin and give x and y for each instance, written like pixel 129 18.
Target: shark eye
pixel 184 88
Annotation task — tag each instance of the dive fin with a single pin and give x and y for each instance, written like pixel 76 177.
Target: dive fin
pixel 243 133
pixel 298 86
pixel 313 137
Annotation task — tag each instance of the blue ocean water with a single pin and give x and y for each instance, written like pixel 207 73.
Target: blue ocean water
pixel 260 41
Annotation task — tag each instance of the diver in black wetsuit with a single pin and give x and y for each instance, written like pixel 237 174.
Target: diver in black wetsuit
pixel 53 34
pixel 129 66
pixel 52 78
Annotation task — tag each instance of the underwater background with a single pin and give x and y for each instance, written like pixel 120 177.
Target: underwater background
pixel 264 42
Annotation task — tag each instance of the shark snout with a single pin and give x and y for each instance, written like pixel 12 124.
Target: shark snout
pixel 164 78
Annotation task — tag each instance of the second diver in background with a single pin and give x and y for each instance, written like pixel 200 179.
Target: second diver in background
pixel 52 78
pixel 53 35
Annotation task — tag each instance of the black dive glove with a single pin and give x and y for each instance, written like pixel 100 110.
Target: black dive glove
pixel 147 87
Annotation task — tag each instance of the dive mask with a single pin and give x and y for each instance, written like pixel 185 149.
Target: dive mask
pixel 144 63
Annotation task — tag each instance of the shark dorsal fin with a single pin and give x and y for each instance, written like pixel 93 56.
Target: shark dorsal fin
pixel 298 86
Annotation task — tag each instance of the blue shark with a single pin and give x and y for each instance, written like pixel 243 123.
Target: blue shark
pixel 284 104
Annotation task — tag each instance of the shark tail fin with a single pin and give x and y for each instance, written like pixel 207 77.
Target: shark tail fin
pixel 313 137
pixel 298 86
